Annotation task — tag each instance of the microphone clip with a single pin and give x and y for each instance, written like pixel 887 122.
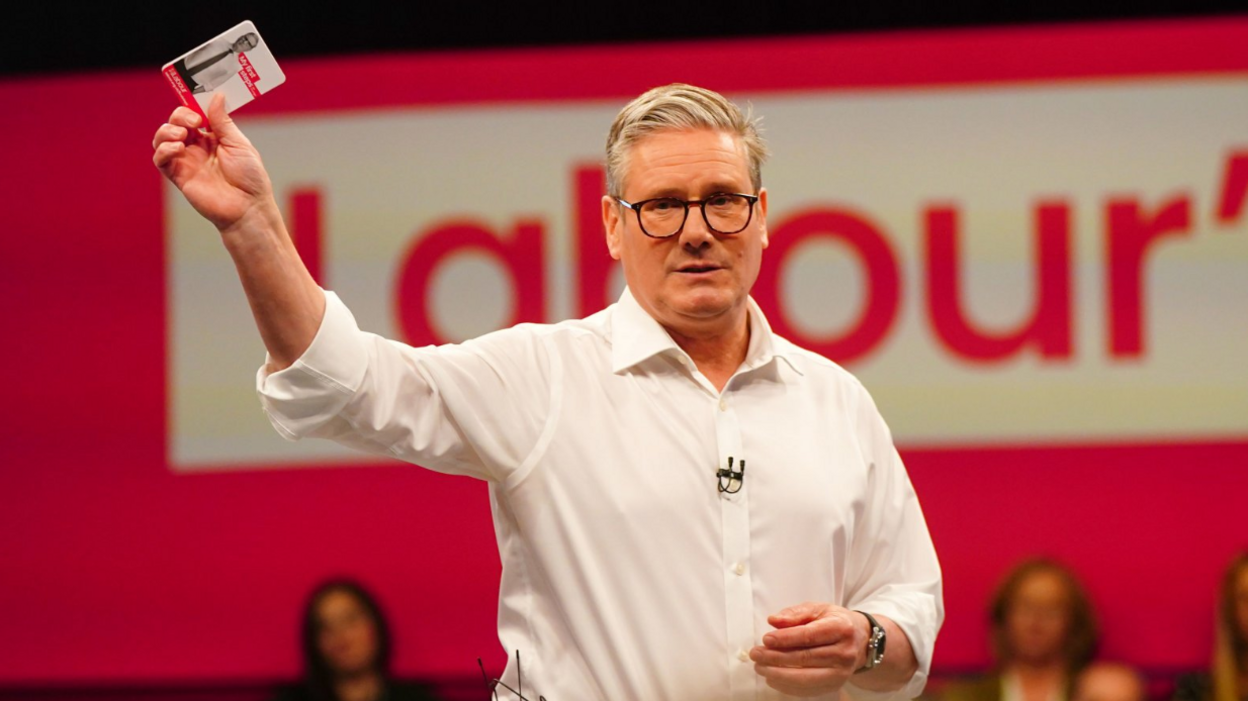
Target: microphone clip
pixel 734 477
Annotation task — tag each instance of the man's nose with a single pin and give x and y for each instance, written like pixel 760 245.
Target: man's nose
pixel 696 234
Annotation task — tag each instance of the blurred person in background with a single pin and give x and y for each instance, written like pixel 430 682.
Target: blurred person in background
pixel 1228 680
pixel 1109 681
pixel 1043 635
pixel 346 650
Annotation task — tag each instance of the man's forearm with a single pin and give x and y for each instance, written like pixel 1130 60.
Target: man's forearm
pixel 899 663
pixel 286 302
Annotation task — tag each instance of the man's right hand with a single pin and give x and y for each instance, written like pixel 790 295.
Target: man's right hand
pixel 218 171
pixel 220 174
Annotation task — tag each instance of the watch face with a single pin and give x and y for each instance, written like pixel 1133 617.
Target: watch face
pixel 876 646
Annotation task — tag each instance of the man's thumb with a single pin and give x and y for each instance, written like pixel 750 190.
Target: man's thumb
pixel 219 121
pixel 794 615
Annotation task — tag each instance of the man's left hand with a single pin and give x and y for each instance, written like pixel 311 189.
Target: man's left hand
pixel 814 649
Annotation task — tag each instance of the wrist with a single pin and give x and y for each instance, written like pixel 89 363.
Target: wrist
pixel 871 651
pixel 259 225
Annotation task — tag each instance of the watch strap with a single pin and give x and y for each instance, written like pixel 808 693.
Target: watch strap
pixel 875 643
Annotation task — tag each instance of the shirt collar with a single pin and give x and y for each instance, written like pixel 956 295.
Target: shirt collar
pixel 636 336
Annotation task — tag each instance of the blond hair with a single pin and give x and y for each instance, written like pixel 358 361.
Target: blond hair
pixel 1231 645
pixel 676 107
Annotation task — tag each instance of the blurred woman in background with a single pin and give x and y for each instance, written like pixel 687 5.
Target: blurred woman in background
pixel 1229 678
pixel 346 650
pixel 1043 634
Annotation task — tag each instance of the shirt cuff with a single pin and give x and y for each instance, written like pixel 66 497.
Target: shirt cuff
pixel 314 389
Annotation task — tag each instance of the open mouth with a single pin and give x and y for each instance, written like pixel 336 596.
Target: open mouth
pixel 699 269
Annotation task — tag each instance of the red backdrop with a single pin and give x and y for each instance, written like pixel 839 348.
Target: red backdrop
pixel 112 567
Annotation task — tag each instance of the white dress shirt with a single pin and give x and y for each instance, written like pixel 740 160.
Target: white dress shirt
pixel 626 573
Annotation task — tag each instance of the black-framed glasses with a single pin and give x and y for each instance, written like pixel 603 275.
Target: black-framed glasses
pixel 663 217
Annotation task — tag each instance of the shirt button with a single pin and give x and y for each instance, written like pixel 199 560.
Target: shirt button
pixel 739 568
pixel 743 656
pixel 723 405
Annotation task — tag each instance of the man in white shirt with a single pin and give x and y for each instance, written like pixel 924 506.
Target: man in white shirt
pixel 687 506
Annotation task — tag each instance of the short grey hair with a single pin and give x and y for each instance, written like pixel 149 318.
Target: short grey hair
pixel 675 107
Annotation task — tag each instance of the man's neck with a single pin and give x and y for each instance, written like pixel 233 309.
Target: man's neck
pixel 717 355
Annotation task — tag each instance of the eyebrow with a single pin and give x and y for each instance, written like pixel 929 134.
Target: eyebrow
pixel 679 193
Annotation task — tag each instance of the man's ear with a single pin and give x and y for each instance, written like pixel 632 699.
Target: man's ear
pixel 762 214
pixel 613 225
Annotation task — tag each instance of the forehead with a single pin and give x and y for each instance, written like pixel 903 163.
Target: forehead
pixel 338 602
pixel 1043 585
pixel 687 160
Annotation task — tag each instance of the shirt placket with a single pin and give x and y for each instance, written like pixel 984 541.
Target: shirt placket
pixel 735 517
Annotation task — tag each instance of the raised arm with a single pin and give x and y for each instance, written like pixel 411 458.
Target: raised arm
pixel 221 175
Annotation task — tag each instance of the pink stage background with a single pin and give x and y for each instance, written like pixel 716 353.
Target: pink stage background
pixel 117 567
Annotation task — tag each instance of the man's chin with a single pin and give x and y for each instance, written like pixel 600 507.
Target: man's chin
pixel 702 308
pixel 702 305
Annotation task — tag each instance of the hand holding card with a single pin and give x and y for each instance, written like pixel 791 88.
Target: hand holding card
pixel 237 64
pixel 219 171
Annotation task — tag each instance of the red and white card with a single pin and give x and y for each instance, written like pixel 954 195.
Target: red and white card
pixel 237 63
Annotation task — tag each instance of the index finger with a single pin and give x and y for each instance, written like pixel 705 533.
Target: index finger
pixel 185 117
pixel 824 631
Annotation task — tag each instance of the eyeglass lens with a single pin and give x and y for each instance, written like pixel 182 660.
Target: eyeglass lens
pixel 725 213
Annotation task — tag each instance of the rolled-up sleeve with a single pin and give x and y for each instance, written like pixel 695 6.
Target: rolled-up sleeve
pixel 475 408
pixel 893 566
pixel 313 390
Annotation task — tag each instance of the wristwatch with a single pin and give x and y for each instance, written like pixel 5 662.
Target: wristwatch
pixel 875 643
